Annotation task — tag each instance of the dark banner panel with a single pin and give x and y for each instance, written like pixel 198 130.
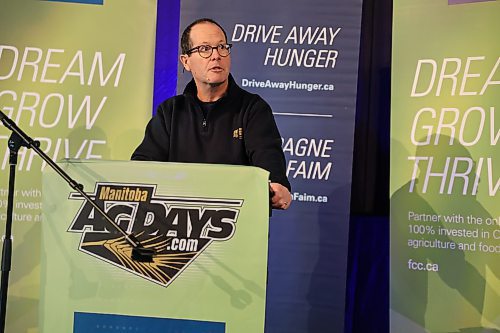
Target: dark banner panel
pixel 166 51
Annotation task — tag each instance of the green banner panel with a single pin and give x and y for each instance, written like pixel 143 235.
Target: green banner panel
pixel 78 77
pixel 445 212
pixel 207 223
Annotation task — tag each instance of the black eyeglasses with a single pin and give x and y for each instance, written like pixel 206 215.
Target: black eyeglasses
pixel 205 51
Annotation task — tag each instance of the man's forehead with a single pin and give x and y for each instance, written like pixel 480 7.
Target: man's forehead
pixel 206 30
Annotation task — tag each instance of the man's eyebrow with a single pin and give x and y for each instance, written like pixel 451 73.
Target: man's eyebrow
pixel 207 43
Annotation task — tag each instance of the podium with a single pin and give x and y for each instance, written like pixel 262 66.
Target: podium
pixel 207 223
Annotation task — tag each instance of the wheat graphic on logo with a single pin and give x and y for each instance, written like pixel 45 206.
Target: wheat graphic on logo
pixel 162 270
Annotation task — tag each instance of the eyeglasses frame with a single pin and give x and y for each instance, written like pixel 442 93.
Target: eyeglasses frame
pixel 197 49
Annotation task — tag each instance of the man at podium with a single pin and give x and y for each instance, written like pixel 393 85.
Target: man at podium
pixel 214 120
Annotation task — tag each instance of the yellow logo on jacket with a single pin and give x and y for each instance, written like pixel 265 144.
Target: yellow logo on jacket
pixel 238 133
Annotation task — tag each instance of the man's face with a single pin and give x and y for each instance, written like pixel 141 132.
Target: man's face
pixel 211 71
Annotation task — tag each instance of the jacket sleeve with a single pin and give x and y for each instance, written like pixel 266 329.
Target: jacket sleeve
pixel 156 142
pixel 263 142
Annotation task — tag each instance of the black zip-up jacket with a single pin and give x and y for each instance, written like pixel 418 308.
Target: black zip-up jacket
pixel 238 129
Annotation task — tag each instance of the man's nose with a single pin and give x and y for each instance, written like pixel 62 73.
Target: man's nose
pixel 215 54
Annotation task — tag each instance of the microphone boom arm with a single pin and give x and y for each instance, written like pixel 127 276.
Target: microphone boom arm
pixel 139 253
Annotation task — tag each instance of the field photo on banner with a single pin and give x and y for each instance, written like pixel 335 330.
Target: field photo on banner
pixel 445 217
pixel 77 77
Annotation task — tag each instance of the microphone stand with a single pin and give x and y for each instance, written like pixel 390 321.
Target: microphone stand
pixel 17 140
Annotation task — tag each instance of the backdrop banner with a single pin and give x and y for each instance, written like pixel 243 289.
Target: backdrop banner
pixel 210 237
pixel 302 58
pixel 445 212
pixel 77 76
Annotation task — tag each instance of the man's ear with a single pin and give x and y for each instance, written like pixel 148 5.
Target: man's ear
pixel 184 61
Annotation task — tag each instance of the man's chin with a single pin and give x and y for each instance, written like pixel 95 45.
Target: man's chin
pixel 217 82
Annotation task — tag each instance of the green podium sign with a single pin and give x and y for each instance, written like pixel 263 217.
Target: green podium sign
pixel 208 225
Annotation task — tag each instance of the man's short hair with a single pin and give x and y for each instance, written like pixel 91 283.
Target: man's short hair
pixel 186 35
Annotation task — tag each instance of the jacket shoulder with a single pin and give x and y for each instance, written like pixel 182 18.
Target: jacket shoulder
pixel 171 104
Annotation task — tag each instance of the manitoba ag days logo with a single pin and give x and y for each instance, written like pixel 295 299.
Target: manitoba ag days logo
pixel 177 228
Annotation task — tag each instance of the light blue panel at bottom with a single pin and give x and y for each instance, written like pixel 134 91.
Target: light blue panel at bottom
pixel 87 2
pixel 104 323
